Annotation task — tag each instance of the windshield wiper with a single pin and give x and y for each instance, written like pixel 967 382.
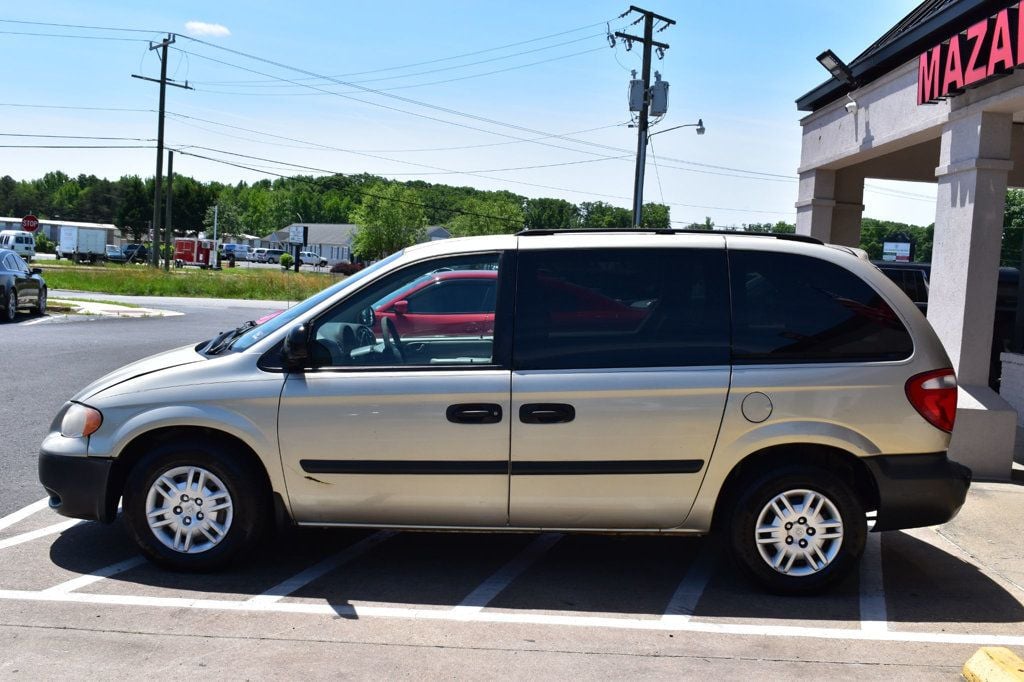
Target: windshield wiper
pixel 224 339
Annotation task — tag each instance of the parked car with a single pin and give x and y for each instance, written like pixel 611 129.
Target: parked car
pixel 136 253
pixel 310 258
pixel 21 242
pixel 20 287
pixel 915 281
pixel 768 386
pixel 115 254
pixel 273 255
pixel 237 251
pixel 258 255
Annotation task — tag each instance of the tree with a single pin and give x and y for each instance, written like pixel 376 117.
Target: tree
pixel 706 226
pixel 492 215
pixel 655 216
pixel 550 214
pixel 390 218
pixel 598 214
pixel 134 208
pixel 228 220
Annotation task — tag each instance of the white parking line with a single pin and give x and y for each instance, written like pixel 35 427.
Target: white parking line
pixel 873 615
pixel 95 576
pixel 529 618
pixel 24 513
pixel 684 602
pixel 500 579
pixel 299 580
pixel 41 533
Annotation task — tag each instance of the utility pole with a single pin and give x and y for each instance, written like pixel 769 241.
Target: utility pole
pixel 164 81
pixel 648 42
pixel 168 229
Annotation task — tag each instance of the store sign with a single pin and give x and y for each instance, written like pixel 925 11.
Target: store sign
pixel 988 49
pixel 896 251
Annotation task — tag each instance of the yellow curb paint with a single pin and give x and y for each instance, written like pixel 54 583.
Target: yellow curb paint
pixel 994 664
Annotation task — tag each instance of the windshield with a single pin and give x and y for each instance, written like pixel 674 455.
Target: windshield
pixel 273 324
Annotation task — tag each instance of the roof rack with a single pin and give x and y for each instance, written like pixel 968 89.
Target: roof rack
pixel 629 230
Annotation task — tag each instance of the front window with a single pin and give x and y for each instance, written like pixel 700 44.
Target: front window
pixel 435 313
pixel 286 317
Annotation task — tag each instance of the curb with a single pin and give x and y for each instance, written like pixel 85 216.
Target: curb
pixel 994 664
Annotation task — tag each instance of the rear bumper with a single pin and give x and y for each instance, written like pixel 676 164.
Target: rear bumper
pixel 79 487
pixel 917 490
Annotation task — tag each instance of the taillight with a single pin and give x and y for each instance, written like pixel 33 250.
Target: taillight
pixel 933 394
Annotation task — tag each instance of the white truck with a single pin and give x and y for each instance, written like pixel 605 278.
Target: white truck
pixel 82 243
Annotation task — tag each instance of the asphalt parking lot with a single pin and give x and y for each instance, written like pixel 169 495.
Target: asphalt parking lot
pixel 76 601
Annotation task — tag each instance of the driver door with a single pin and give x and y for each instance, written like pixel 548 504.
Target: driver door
pixel 395 429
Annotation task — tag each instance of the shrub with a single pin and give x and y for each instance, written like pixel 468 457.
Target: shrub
pixel 286 261
pixel 343 267
pixel 43 245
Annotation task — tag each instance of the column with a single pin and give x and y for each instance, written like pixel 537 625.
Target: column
pixel 974 162
pixel 830 205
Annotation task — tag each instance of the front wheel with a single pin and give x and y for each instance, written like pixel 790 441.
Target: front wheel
pixel 194 506
pixel 798 529
pixel 10 308
pixel 41 302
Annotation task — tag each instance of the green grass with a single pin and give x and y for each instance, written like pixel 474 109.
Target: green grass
pixel 259 284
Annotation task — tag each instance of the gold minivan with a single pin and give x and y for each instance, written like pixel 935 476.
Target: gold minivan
pixel 769 387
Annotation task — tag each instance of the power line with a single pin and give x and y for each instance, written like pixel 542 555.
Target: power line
pixel 75 36
pixel 76 146
pixel 80 108
pixel 430 71
pixel 355 190
pixel 430 61
pixel 399 87
pixel 95 28
pixel 78 137
pixel 307 144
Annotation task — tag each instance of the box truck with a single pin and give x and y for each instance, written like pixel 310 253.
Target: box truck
pixel 82 243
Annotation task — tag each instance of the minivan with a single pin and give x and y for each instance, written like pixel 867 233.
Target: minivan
pixel 766 387
pixel 21 243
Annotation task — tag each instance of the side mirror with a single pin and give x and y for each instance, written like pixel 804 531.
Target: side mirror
pixel 37 271
pixel 401 307
pixel 295 351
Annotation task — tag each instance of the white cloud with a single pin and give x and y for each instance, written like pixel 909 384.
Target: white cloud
pixel 201 28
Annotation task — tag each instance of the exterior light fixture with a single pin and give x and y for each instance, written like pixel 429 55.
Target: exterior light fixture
pixel 700 126
pixel 835 66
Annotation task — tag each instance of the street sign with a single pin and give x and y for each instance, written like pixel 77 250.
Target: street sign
pixel 30 223
pixel 297 234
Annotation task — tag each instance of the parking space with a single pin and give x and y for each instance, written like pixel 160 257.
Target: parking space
pixel 914 587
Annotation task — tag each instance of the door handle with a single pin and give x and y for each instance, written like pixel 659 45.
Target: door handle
pixel 474 413
pixel 546 413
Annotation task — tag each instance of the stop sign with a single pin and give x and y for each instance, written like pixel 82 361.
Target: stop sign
pixel 30 223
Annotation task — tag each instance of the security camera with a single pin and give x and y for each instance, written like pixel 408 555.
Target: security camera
pixel 851 106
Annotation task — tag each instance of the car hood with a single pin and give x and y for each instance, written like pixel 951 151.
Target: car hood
pixel 185 355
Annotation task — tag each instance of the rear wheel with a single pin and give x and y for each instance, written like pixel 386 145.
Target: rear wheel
pixel 797 530
pixel 195 506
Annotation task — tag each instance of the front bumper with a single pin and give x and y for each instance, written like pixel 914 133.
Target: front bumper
pixel 79 487
pixel 917 490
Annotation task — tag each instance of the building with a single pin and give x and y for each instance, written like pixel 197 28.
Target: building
pixel 51 228
pixel 937 99
pixel 333 241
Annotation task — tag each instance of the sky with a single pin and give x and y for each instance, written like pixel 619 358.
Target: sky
pixel 449 91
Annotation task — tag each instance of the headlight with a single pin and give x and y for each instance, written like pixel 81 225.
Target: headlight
pixel 80 421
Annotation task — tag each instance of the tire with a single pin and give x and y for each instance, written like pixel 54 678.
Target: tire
pixel 41 302
pixel 10 306
pixel 218 534
pixel 793 490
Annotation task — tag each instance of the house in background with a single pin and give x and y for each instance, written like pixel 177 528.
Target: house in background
pixel 332 241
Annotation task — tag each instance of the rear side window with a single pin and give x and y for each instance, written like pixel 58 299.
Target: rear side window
pixel 793 308
pixel 603 308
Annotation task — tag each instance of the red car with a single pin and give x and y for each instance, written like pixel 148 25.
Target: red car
pixel 451 303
